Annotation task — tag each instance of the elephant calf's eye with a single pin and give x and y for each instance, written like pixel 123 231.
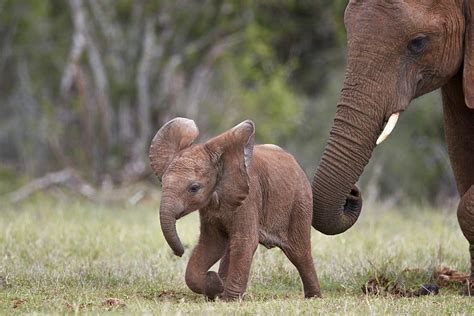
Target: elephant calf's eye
pixel 418 44
pixel 194 187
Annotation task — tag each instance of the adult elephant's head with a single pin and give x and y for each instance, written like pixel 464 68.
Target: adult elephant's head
pixel 397 50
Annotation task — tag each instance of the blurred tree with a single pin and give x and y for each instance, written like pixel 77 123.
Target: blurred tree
pixel 303 33
pixel 85 84
pixel 95 78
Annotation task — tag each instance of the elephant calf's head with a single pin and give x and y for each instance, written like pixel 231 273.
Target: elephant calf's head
pixel 194 176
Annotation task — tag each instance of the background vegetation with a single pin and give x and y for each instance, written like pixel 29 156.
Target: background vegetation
pixel 85 84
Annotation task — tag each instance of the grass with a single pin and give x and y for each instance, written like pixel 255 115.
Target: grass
pixel 63 255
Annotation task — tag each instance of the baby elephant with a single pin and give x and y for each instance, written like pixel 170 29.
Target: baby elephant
pixel 245 194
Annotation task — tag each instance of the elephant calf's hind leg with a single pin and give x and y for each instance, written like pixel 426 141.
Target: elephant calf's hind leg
pixel 466 221
pixel 303 261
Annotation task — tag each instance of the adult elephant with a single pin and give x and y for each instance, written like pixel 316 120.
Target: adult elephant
pixel 397 51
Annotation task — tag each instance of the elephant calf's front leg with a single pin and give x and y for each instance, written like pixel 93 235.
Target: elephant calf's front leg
pixel 466 221
pixel 208 251
pixel 240 259
pixel 224 265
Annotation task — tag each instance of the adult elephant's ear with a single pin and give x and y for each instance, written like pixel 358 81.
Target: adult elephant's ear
pixel 174 136
pixel 232 152
pixel 468 76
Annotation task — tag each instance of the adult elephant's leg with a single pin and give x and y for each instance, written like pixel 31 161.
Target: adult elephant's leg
pixel 466 221
pixel 459 129
pixel 210 249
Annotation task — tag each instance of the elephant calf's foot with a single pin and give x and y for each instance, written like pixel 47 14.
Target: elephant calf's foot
pixel 214 285
pixel 228 296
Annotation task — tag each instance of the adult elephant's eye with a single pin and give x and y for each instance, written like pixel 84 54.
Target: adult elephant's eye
pixel 194 187
pixel 418 44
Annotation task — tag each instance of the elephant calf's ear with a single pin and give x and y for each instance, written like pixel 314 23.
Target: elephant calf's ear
pixel 173 137
pixel 245 134
pixel 234 150
pixel 468 75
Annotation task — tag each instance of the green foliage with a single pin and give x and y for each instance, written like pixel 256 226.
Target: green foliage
pixel 279 63
pixel 258 84
pixel 339 7
pixel 274 107
pixel 9 179
pixel 303 34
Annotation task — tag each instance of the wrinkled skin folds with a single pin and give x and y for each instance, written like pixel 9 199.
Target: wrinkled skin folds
pixel 246 194
pixel 396 51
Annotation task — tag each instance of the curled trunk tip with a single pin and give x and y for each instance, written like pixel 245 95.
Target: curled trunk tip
pixel 336 221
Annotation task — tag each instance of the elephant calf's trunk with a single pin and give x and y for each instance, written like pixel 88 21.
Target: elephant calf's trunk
pixel 168 227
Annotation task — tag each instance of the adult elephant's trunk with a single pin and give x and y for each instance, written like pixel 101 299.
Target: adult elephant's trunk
pixel 359 120
pixel 168 215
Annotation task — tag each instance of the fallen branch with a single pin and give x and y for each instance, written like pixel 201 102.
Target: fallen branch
pixel 445 275
pixel 65 177
pixel 442 277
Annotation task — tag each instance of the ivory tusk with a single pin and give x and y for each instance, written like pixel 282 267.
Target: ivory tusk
pixel 392 121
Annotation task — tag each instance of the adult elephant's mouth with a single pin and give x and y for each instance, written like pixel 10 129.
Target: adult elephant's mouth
pixel 389 127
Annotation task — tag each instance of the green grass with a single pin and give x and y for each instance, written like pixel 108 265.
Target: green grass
pixel 61 255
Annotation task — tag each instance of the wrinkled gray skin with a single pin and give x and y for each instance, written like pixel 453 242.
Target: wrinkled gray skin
pixel 396 51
